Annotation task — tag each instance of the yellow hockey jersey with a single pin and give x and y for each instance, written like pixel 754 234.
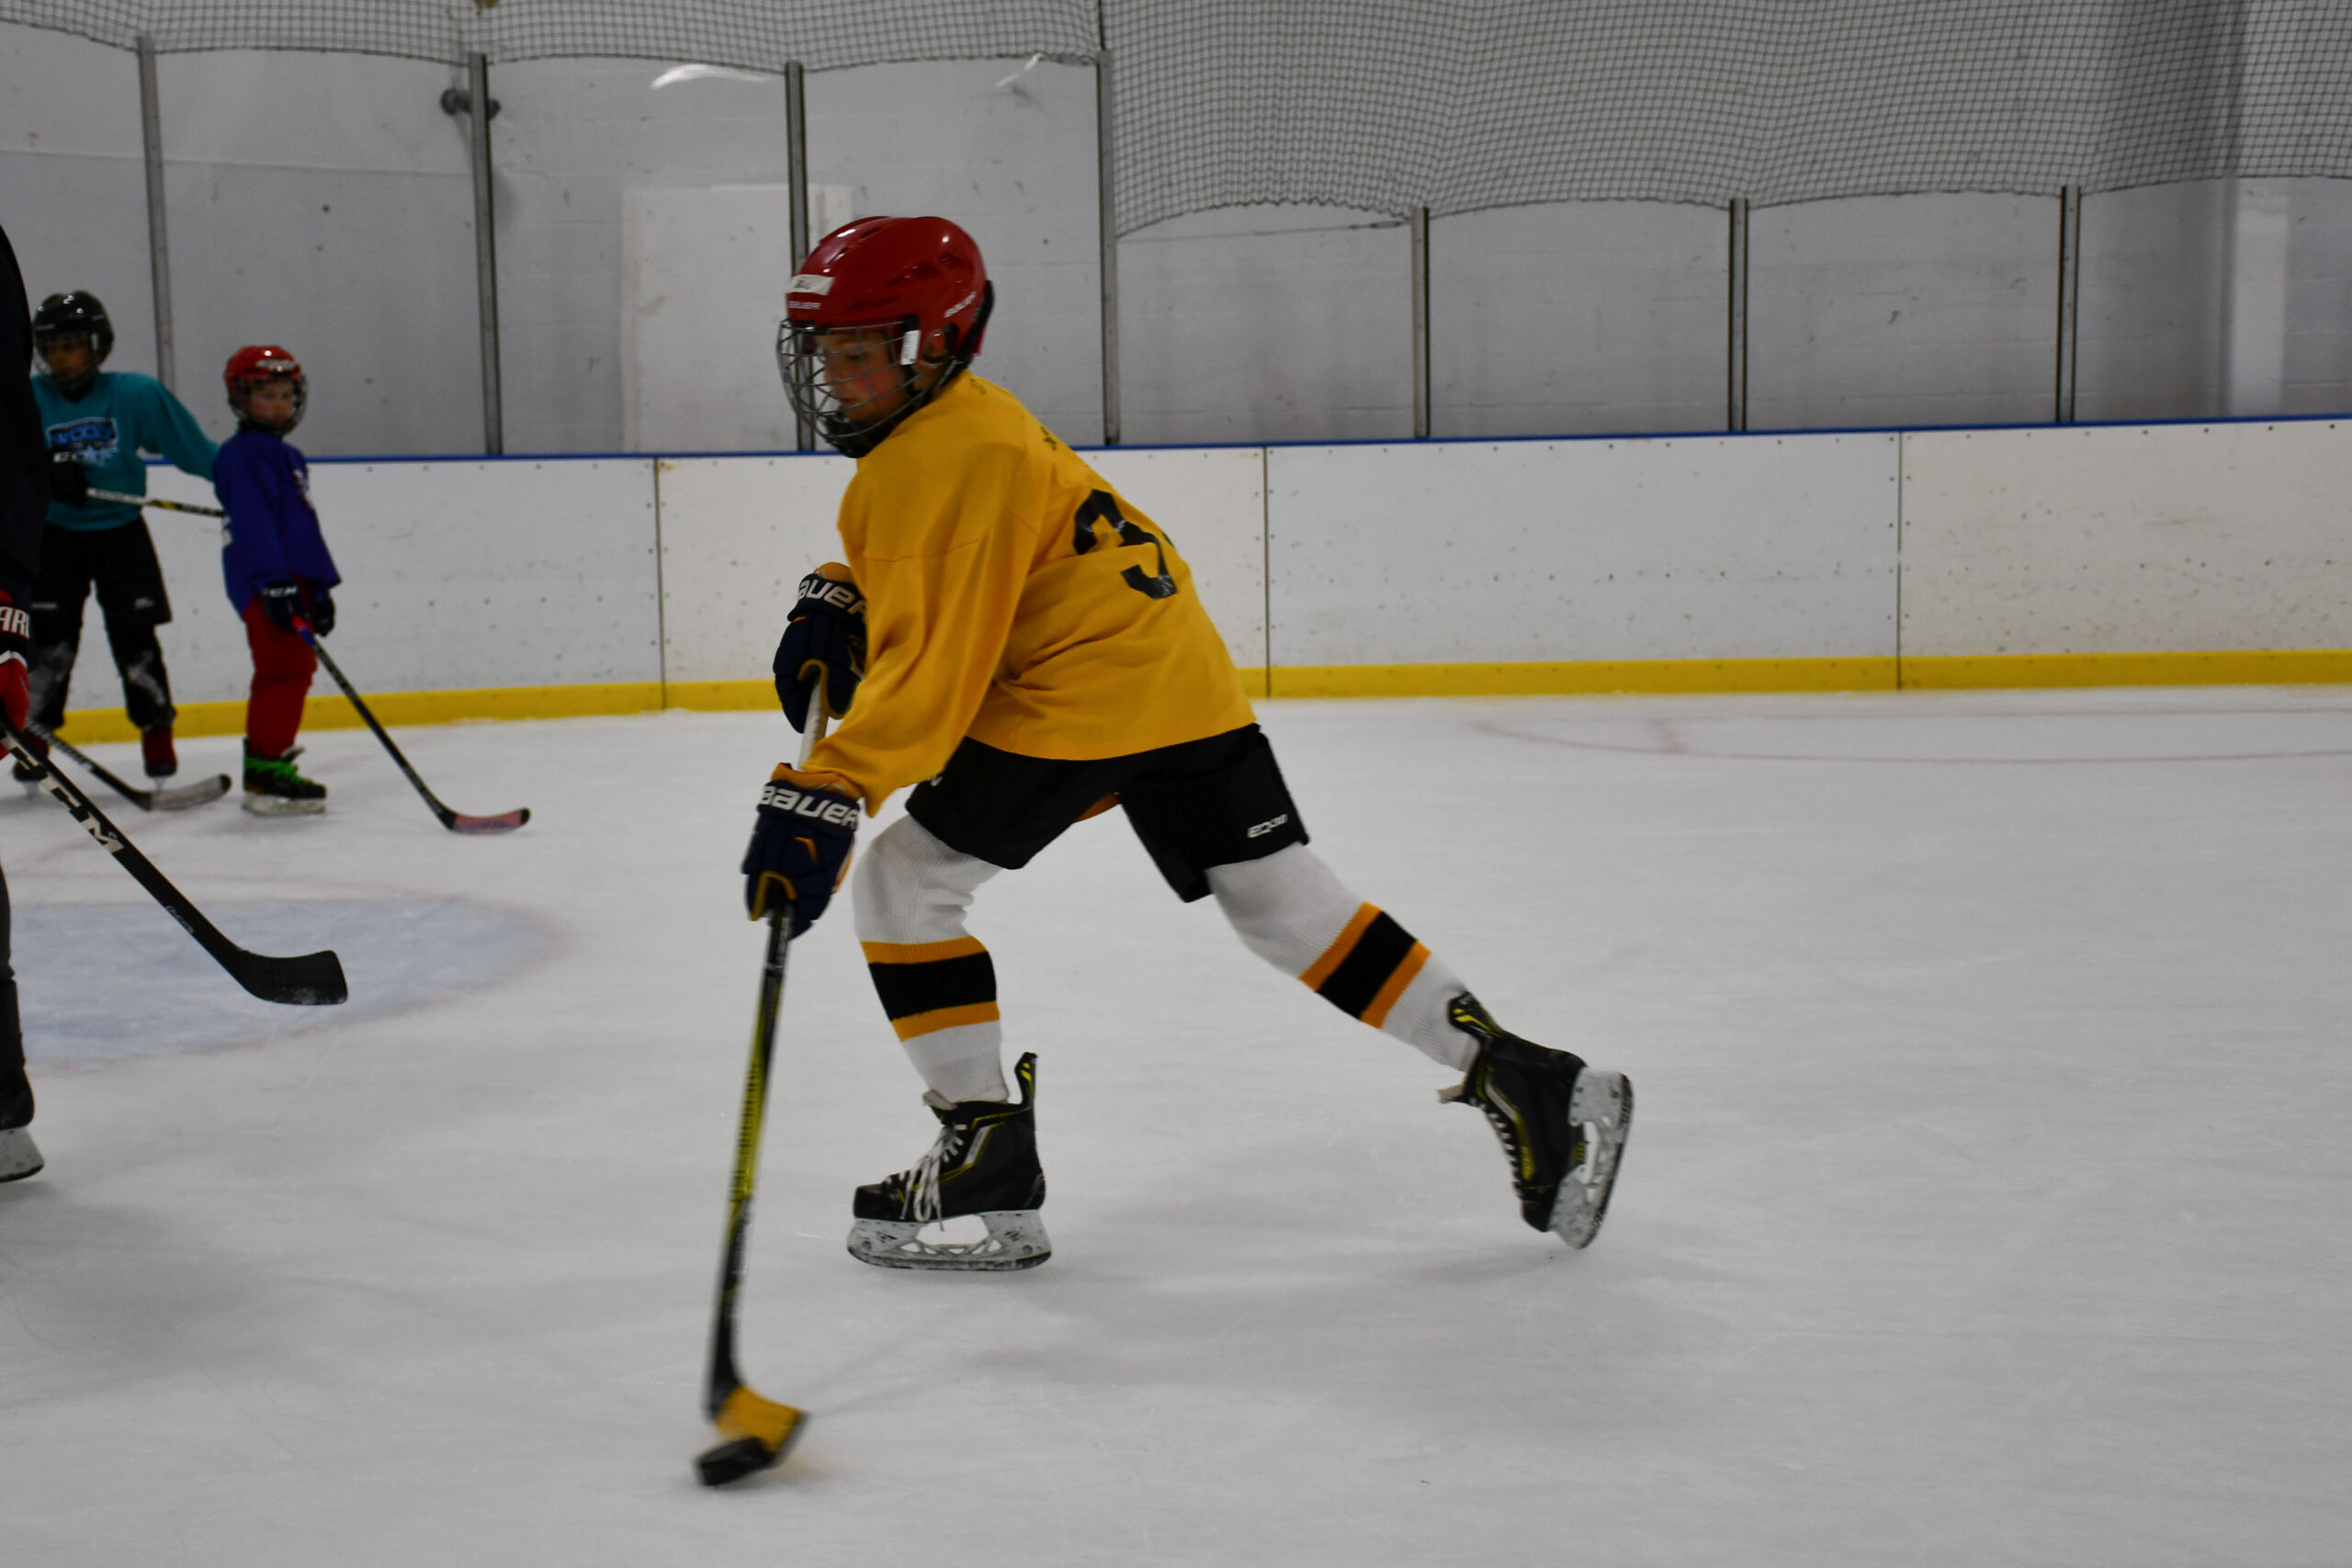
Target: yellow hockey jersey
pixel 1012 596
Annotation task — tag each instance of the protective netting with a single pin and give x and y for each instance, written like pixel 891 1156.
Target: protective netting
pixel 1460 105
pixel 755 35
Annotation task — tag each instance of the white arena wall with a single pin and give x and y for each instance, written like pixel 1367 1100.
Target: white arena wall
pixel 2131 554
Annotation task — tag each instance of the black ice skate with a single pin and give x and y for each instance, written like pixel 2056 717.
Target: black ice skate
pixel 1563 1124
pixel 273 787
pixel 18 1155
pixel 985 1166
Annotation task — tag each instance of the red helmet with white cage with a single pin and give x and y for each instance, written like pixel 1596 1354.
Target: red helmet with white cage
pixel 880 319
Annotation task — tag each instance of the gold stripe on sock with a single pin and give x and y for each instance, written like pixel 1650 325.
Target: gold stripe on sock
pixel 1337 953
pixel 921 951
pixel 938 1018
pixel 1377 1013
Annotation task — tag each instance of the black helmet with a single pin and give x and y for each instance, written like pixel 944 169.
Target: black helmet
pixel 73 314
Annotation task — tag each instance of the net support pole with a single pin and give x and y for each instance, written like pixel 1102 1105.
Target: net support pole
pixel 159 248
pixel 795 136
pixel 1107 208
pixel 493 437
pixel 2070 295
pixel 1736 391
pixel 1420 229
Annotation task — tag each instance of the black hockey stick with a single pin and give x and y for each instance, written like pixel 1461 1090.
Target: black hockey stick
pixel 758 1431
pixel 129 499
pixel 456 821
pixel 314 979
pixel 204 791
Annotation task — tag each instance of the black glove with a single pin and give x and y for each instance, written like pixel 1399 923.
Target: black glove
pixel 282 600
pixel 799 847
pixel 69 482
pixel 322 611
pixel 824 641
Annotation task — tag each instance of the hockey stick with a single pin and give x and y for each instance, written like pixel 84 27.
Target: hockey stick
pixel 129 499
pixel 456 821
pixel 181 798
pixel 759 1432
pixel 314 979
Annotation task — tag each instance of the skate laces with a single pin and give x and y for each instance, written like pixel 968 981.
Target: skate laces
pixel 922 1182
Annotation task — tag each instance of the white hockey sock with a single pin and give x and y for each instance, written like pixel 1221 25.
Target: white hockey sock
pixel 1290 910
pixel 935 980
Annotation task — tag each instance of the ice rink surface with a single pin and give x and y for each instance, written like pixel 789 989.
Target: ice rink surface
pixel 1987 1202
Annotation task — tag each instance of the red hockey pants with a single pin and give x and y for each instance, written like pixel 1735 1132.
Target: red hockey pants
pixel 283 664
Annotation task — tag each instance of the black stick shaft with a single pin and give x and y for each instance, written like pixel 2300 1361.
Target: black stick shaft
pixel 314 979
pixel 139 798
pixel 724 1378
pixel 439 810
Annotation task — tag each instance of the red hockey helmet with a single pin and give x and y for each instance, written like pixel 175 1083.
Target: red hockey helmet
pixel 253 367
pixel 883 315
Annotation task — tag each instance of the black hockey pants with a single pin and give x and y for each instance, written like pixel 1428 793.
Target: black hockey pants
pixel 121 563
pixel 15 1092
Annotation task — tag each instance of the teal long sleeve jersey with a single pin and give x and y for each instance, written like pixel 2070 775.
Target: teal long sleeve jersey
pixel 105 430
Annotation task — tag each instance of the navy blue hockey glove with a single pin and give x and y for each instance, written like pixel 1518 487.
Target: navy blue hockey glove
pixel 281 601
pixel 69 482
pixel 800 846
pixel 322 611
pixel 824 645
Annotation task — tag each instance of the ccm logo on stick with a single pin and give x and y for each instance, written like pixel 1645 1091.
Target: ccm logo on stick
pixel 1262 828
pixel 824 807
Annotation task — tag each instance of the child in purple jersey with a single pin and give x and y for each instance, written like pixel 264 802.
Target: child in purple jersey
pixel 276 567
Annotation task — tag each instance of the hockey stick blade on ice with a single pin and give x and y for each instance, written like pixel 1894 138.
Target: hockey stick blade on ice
pixel 314 979
pixel 456 821
pixel 758 1431
pixel 204 791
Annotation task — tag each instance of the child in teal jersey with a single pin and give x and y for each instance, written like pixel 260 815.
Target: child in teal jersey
pixel 98 422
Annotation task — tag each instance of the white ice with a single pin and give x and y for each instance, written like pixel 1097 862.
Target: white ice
pixel 1988 1204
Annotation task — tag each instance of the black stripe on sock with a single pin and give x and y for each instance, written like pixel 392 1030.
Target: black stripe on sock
pixel 906 989
pixel 1353 985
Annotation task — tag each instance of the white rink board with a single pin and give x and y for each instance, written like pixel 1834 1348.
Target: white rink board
pixel 738 534
pixel 1212 500
pixel 1540 551
pixel 2123 539
pixel 456 576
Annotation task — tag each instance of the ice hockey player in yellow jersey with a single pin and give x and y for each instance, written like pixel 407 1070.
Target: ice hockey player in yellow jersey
pixel 1024 648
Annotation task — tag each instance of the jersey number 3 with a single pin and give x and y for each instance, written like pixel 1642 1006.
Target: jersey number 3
pixel 1101 506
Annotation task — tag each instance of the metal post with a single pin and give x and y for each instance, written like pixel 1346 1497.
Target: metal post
pixel 1107 208
pixel 1736 396
pixel 159 249
pixel 796 135
pixel 494 439
pixel 1420 229
pixel 2069 295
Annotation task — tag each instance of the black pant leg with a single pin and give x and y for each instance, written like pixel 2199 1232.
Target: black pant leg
pixel 16 1089
pixel 130 595
pixel 60 591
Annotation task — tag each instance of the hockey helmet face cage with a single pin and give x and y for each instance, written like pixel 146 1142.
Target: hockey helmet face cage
pixel 67 320
pixel 249 370
pixel 880 319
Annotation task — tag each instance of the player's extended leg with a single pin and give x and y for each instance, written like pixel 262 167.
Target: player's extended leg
pixel 937 984
pixel 1561 1123
pixel 130 595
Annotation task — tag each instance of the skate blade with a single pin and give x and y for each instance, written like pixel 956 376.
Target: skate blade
pixel 18 1155
pixel 1602 1103
pixel 279 805
pixel 1016 1239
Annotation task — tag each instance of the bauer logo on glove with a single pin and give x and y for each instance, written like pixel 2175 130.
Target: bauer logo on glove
pixel 823 648
pixel 800 846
